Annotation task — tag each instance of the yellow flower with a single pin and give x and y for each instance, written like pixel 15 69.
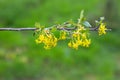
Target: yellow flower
pixel 70 44
pixel 75 45
pixel 63 35
pixel 79 42
pixel 102 29
pixel 55 42
pixel 84 36
pixel 76 35
pixel 86 42
pixel 80 28
pixel 40 39
pixel 48 40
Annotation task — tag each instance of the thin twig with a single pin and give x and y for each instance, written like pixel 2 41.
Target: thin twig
pixel 33 29
pixel 17 29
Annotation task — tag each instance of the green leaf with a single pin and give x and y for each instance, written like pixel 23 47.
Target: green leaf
pixel 37 25
pixel 53 29
pixel 81 17
pixel 102 18
pixel 86 24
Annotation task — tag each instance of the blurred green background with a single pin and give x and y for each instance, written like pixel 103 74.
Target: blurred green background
pixel 22 59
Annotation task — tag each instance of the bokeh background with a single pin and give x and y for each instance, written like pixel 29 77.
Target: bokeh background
pixel 22 59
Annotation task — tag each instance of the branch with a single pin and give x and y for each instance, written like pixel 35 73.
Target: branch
pixel 33 29
pixel 17 29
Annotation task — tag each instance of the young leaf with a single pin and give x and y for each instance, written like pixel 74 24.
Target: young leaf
pixel 81 17
pixel 102 18
pixel 86 24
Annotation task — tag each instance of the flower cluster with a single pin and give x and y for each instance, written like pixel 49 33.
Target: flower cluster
pixel 77 33
pixel 62 35
pixel 79 38
pixel 102 29
pixel 48 39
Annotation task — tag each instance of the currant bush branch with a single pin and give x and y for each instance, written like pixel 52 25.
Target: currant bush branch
pixel 34 29
pixel 77 32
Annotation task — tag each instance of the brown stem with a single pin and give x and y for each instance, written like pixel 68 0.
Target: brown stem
pixel 17 29
pixel 33 29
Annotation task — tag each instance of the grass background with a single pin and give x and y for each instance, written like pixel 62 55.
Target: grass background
pixel 22 59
